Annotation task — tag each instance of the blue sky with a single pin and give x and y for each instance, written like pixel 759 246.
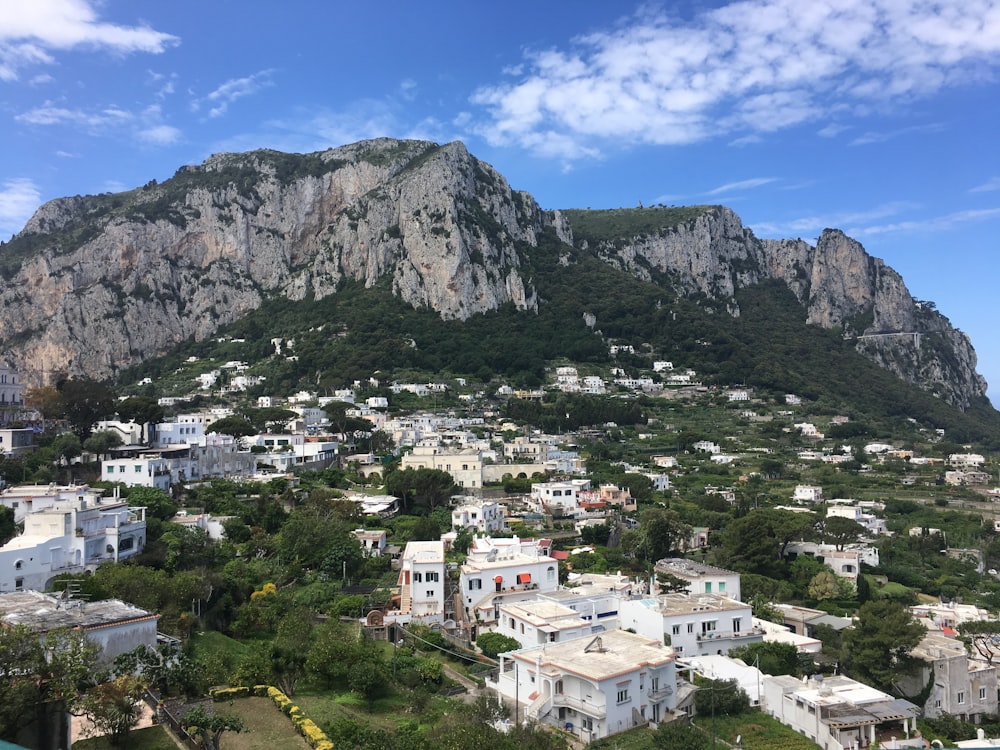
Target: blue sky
pixel 878 117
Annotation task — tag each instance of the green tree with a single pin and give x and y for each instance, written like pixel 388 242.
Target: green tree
pixel 770 657
pixel 211 726
pixel 661 533
pixel 142 410
pixel 84 402
pixel 824 586
pixel 67 447
pixel 756 542
pixel 237 427
pixel 101 442
pixel 877 649
pixel 494 644
pixel 421 490
pixel 114 708
pixel 721 698
pixel 842 531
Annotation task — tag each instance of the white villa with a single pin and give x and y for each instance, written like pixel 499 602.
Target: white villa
pixel 70 536
pixel 702 578
pixel 421 584
pixel 498 570
pixel 591 687
pixel 482 516
pixel 692 625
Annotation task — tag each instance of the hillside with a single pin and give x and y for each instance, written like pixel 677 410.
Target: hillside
pixel 100 283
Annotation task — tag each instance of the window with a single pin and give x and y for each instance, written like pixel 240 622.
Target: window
pixel 138 469
pixel 475 584
pixel 623 695
pixel 961 697
pixel 722 587
pixel 708 587
pixel 737 624
pixel 676 630
pixel 432 576
pixel 587 723
pixel 418 578
pixel 690 627
pixel 19 564
pixel 982 694
pixel 708 626
pixel 429 594
pixel 550 573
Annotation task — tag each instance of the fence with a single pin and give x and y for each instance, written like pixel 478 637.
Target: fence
pixel 164 716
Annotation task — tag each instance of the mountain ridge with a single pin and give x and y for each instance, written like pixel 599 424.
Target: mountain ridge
pixel 98 283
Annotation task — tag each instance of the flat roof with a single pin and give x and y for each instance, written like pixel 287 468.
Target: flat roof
pixel 678 604
pixel 611 654
pixel 43 612
pixel 690 569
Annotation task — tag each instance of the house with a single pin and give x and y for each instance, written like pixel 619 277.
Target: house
pixel 28 498
pixel 963 687
pixel 804 493
pixel 116 627
pixel 372 541
pixel 591 687
pixel 11 387
pixel 465 465
pixel 725 668
pixel 421 582
pixel 71 536
pixel 693 625
pixel 482 516
pixel 497 571
pixel 838 713
pixel 966 460
pixel 538 621
pixel 211 525
pixel 702 578
pixel 845 563
pixel 558 499
pixel 874 525
pixel 16 441
pixel 707 446
pixel 804 620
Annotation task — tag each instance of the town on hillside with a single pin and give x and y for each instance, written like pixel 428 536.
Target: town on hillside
pixel 613 559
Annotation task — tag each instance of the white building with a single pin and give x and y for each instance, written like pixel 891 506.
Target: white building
pixel 70 536
pixel 538 621
pixel 692 625
pixel 836 712
pixel 702 578
pixel 498 570
pixel 28 498
pixel 16 440
pixel 558 498
pixel 421 583
pixel 482 516
pixel 592 687
pixel 465 466
pixel 804 493
pixel 721 667
pixel 372 541
pixel 874 525
pixel 966 460
pixel 116 627
pixel 963 687
pixel 11 388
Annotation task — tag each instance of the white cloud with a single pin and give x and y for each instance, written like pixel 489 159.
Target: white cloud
pixel 933 224
pixel 31 31
pixel 987 187
pixel 93 121
pixel 811 226
pixel 749 67
pixel 159 135
pixel 19 198
pixel 236 88
pixel 875 137
pixel 741 185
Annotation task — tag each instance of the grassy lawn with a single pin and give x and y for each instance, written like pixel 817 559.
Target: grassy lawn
pixel 266 726
pixel 388 713
pixel 759 732
pixel 150 738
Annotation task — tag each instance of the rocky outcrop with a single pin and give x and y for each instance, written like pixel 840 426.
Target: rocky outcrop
pixel 97 283
pixel 116 279
pixel 838 283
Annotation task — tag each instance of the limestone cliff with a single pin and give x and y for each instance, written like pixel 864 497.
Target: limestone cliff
pixel 96 283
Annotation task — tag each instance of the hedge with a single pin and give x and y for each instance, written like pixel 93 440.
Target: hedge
pixel 305 726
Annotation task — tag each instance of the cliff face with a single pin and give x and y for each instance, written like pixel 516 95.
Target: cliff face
pixel 838 283
pixel 169 262
pixel 99 282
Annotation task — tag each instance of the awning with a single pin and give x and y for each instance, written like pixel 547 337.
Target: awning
pixel 498 579
pixel 524 577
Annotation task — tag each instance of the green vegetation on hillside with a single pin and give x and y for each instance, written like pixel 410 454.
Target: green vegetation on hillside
pixel 608 225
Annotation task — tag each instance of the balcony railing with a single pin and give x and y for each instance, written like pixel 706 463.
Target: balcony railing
pixel 596 711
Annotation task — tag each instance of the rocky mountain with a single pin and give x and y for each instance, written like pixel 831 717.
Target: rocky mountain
pixel 97 283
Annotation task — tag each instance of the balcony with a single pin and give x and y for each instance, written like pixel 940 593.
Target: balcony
pixel 581 705
pixel 660 693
